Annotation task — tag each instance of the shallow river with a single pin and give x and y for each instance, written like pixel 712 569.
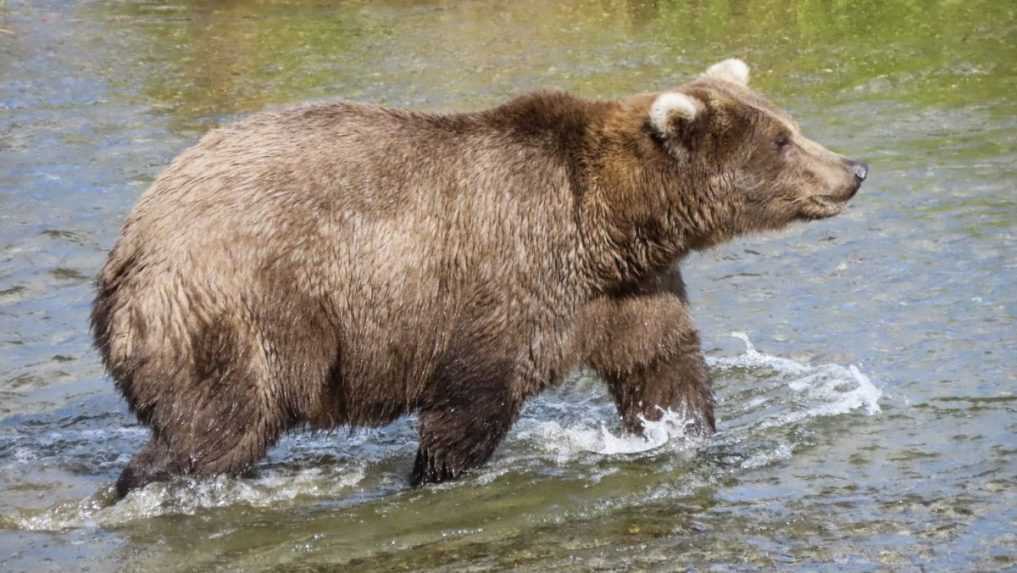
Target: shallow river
pixel 865 365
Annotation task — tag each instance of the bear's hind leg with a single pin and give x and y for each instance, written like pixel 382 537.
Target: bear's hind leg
pixel 231 428
pixel 217 417
pixel 221 437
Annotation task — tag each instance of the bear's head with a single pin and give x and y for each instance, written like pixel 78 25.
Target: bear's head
pixel 744 163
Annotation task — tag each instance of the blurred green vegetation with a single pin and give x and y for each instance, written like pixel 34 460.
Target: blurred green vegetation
pixel 207 57
pixel 204 58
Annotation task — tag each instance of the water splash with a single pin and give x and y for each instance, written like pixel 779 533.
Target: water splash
pixel 816 391
pixel 567 442
pixel 785 393
pixel 188 496
pixel 572 430
pixel 752 358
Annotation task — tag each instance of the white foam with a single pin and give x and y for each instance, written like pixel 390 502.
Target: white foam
pixel 752 358
pixel 566 443
pixel 761 459
pixel 190 496
pixel 831 393
pixel 23 455
pixel 823 390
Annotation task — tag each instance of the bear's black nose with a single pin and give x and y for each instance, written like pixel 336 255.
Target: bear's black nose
pixel 861 170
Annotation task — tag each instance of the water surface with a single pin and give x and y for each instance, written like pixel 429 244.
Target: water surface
pixel 867 401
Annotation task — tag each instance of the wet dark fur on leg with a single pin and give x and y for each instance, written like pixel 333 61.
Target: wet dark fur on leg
pixel 151 463
pixel 643 343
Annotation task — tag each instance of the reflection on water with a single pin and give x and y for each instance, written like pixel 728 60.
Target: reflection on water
pixel 873 429
pixel 201 59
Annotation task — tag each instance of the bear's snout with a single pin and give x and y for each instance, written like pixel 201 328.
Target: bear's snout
pixel 860 170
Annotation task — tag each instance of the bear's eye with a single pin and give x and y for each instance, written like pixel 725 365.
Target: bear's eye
pixel 782 141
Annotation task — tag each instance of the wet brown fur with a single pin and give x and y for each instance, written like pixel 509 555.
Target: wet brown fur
pixel 346 264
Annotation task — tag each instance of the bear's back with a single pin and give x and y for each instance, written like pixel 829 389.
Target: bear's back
pixel 358 215
pixel 281 178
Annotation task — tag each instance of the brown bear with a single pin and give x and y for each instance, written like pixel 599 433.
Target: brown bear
pixel 346 264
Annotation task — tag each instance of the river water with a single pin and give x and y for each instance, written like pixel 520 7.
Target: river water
pixel 865 366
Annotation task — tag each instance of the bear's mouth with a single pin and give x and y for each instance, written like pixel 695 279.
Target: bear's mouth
pixel 823 206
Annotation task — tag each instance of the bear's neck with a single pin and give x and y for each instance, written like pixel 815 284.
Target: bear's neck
pixel 642 210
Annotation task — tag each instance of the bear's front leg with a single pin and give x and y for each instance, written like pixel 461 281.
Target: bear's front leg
pixel 646 347
pixel 461 428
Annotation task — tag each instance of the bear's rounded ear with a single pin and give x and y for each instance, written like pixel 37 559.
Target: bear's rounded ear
pixel 671 109
pixel 732 70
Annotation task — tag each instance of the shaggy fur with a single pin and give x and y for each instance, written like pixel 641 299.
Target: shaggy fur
pixel 347 264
